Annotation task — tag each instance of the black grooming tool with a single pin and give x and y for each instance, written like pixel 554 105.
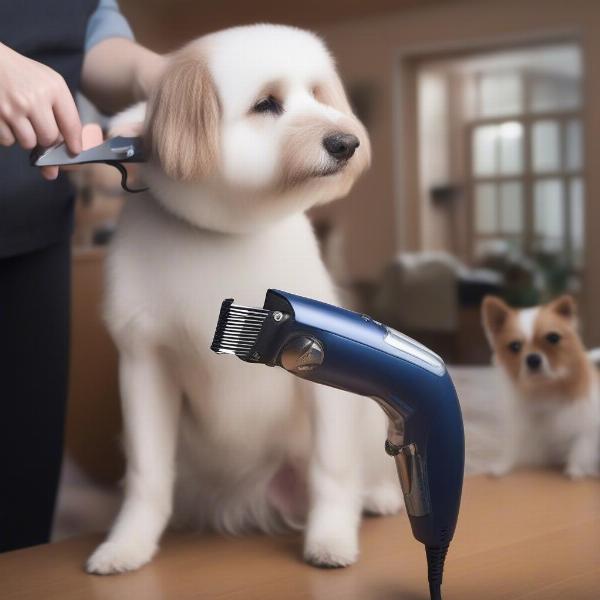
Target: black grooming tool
pixel 113 152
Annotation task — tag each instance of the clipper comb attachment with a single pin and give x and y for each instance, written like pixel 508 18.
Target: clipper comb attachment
pixel 238 329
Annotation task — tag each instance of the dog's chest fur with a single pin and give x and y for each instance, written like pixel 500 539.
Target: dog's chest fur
pixel 167 278
pixel 545 429
pixel 166 282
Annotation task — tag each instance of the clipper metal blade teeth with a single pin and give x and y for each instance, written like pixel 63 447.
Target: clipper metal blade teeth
pixel 238 329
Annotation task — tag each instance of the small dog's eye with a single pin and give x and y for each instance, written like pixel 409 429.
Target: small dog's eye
pixel 270 104
pixel 553 337
pixel 515 346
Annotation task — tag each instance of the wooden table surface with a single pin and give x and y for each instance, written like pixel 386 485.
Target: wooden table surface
pixel 531 536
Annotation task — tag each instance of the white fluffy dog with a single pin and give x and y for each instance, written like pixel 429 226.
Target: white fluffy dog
pixel 249 128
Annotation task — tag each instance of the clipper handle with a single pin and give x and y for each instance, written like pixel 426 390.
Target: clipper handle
pixel 428 448
pixel 346 350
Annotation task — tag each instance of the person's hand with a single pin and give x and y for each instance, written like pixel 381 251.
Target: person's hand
pixel 36 106
pixel 91 135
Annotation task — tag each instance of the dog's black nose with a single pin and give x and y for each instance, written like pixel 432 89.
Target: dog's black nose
pixel 341 145
pixel 534 361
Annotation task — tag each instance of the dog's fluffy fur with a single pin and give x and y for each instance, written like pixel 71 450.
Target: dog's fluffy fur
pixel 211 441
pixel 552 402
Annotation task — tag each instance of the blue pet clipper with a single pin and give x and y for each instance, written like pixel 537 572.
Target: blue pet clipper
pixel 350 351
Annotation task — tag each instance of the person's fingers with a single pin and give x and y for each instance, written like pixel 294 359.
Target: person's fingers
pixel 91 135
pixel 67 119
pixel 49 172
pixel 44 125
pixel 6 135
pixel 24 133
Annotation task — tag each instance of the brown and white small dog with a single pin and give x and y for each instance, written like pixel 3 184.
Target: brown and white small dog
pixel 552 408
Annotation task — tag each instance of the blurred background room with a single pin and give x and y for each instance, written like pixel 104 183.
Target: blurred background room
pixel 484 117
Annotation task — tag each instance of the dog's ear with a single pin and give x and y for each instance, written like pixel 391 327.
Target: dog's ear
pixel 565 306
pixel 182 130
pixel 494 313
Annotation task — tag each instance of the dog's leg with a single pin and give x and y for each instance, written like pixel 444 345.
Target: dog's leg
pixel 151 405
pixel 334 479
pixel 583 457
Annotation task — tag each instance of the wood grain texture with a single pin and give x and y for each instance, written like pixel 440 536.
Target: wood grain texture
pixel 529 536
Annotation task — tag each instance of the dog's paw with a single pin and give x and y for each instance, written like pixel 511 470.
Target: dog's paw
pixel 385 499
pixel 331 549
pixel 116 557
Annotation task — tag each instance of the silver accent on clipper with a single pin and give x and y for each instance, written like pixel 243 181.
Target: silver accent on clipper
pixel 415 352
pixel 302 353
pixel 412 472
pixel 126 151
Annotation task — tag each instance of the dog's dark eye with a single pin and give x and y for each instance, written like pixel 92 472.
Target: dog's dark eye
pixel 515 346
pixel 270 104
pixel 553 337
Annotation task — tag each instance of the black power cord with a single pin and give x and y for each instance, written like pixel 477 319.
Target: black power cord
pixel 117 165
pixel 436 556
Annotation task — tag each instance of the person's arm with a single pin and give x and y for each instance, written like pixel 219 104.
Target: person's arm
pixel 117 72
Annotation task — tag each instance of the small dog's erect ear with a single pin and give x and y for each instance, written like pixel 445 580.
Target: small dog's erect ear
pixel 183 122
pixel 565 306
pixel 494 312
